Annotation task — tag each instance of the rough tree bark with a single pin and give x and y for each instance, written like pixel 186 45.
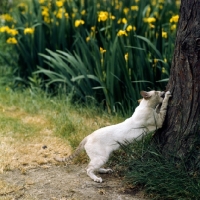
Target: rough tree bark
pixel 180 133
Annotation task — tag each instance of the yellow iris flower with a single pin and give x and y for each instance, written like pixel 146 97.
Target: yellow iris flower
pixel 149 19
pixel 102 50
pixel 134 8
pixel 103 16
pixel 79 22
pixel 121 33
pixel 6 17
pixel 29 31
pixel 11 40
pixel 12 32
pixel 174 19
pixel 126 56
pixel 4 29
pixel 164 34
pixel 59 4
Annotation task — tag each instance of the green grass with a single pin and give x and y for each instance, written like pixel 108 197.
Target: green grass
pixel 18 129
pixel 143 165
pixel 72 122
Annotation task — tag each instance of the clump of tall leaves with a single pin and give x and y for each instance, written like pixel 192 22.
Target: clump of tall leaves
pixel 108 50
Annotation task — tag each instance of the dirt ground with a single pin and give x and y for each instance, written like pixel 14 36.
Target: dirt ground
pixel 59 182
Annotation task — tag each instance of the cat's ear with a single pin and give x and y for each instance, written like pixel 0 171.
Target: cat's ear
pixel 145 95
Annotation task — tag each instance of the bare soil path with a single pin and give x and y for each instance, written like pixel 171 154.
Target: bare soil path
pixel 62 183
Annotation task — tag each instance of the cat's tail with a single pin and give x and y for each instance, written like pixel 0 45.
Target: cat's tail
pixel 74 154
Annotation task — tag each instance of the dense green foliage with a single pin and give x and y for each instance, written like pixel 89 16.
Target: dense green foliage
pixel 107 50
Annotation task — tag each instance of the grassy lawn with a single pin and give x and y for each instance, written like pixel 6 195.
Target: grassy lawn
pixel 31 122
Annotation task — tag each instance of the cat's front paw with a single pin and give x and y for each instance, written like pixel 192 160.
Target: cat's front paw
pixel 168 94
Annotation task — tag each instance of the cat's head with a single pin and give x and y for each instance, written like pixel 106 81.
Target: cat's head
pixel 153 97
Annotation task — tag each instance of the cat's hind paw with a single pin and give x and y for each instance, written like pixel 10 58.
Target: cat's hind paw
pixel 98 179
pixel 105 171
pixel 109 171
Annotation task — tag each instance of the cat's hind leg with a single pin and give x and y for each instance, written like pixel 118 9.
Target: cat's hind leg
pixel 94 166
pixel 105 171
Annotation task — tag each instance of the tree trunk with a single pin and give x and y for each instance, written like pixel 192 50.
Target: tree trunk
pixel 180 135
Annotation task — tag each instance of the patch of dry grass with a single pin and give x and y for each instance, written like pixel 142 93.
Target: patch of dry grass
pixel 22 152
pixel 6 190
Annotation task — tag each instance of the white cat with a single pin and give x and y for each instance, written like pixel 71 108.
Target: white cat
pixel 102 142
